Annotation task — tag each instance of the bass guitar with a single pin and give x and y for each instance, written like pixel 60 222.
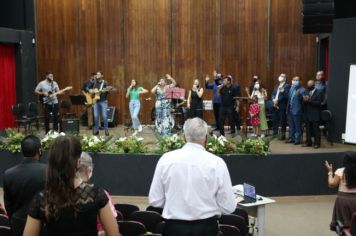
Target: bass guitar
pixel 50 96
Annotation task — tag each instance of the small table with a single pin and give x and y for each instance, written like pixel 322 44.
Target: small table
pixel 256 209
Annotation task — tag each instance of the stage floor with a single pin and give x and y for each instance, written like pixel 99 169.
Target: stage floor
pixel 276 146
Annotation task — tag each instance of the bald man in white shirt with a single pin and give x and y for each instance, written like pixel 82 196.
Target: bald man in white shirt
pixel 192 186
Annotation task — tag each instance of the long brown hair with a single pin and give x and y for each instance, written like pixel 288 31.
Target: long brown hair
pixel 63 156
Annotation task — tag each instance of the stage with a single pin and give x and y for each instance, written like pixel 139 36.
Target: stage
pixel 288 171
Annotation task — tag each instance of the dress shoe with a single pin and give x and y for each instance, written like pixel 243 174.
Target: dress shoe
pixel 297 143
pixel 96 133
pixel 289 141
pixel 107 133
pixel 316 146
pixel 307 145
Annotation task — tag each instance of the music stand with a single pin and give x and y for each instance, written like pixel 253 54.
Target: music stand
pixel 175 93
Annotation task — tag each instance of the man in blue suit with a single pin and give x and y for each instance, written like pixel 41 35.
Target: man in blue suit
pixel 295 110
pixel 280 101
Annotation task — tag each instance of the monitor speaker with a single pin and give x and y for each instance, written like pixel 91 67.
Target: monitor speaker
pixel 111 113
pixel 70 125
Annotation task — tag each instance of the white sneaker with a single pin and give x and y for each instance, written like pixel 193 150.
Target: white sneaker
pixel 140 128
pixel 134 133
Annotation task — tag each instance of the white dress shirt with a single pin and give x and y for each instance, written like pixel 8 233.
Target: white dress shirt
pixel 278 91
pixel 192 184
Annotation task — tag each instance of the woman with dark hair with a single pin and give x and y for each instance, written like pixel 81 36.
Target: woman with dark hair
pixel 195 100
pixel 345 179
pixel 259 94
pixel 67 205
pixel 134 92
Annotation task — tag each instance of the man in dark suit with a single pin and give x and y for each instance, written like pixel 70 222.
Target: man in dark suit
pixel 312 109
pixel 280 101
pixel 295 111
pixel 22 182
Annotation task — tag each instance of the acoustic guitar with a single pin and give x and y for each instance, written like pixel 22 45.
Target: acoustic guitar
pixel 50 96
pixel 94 94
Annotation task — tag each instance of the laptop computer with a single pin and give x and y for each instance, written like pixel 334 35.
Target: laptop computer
pixel 249 193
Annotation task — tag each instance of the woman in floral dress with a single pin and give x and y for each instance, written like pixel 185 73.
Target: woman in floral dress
pixel 164 121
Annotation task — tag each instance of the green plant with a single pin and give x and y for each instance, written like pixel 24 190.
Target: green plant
pixel 91 143
pixel 47 141
pixel 169 143
pixel 254 145
pixel 220 145
pixel 12 141
pixel 131 144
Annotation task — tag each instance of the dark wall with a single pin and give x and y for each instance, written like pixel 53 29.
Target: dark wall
pixel 17 26
pixel 342 54
pixel 17 14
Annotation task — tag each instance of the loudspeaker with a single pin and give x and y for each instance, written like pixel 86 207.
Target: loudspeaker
pixel 318 16
pixel 111 113
pixel 70 125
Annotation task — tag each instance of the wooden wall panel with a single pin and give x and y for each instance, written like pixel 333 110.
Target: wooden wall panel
pixel 143 40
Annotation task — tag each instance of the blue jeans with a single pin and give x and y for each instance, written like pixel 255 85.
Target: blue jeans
pixel 135 106
pixel 295 128
pixel 100 106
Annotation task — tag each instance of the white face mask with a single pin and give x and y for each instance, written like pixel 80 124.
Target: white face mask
pixel 257 86
pixel 295 82
pixel 281 79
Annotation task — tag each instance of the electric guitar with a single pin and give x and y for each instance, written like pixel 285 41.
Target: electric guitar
pixel 94 94
pixel 50 96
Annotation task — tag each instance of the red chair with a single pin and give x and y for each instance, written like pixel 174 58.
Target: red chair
pixel 149 218
pixel 229 230
pixel 131 228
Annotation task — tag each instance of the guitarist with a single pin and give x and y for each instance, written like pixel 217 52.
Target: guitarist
pixel 101 104
pixel 45 88
pixel 86 89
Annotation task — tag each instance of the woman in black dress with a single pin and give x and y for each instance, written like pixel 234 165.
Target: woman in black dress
pixel 195 100
pixel 67 205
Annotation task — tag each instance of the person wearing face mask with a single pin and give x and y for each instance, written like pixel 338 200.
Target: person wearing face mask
pixel 312 109
pixel 321 85
pixel 280 100
pixel 216 98
pixel 195 100
pixel 45 89
pixel 85 172
pixel 259 94
pixel 295 111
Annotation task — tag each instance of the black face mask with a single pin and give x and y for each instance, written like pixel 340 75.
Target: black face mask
pixel 311 88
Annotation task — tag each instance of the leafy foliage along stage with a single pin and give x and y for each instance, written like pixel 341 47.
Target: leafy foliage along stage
pixel 133 144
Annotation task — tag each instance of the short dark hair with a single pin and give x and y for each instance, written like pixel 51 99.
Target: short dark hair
pixel 229 78
pixel 93 73
pixel 30 145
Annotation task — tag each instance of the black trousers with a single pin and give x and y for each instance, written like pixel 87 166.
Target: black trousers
pixel 237 120
pixel 216 108
pixel 229 113
pixel 207 227
pixel 196 112
pixel 279 119
pixel 312 129
pixel 51 111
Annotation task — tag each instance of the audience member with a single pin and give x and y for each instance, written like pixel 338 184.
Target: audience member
pixel 68 206
pixel 312 109
pixel 295 111
pixel 280 101
pixel 22 182
pixel 192 185
pixel 85 172
pixel 345 179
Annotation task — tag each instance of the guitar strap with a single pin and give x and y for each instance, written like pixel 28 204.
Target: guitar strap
pixel 102 85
